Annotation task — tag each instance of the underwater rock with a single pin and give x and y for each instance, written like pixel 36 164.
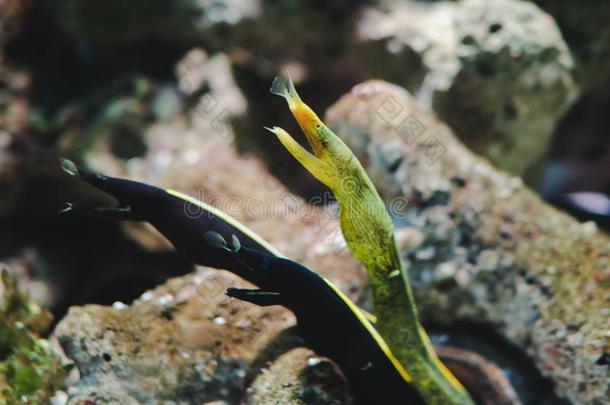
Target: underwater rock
pixel 30 372
pixel 498 73
pixel 187 341
pixel 299 377
pixel 532 273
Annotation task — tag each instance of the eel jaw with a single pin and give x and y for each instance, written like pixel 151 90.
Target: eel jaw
pixel 310 125
pixel 307 119
pixel 118 213
pixel 320 167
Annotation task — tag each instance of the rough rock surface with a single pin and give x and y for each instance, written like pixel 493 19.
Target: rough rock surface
pixel 184 341
pixel 482 246
pixel 498 73
pixel 299 377
pixel 187 342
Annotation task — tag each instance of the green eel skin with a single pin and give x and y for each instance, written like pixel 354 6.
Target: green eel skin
pixel 368 230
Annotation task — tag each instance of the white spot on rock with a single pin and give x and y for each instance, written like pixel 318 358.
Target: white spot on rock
pixel 165 299
pixel 119 306
pixel 60 398
pixel 313 361
pixel 147 296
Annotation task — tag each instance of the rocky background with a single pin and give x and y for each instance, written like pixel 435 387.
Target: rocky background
pixel 484 110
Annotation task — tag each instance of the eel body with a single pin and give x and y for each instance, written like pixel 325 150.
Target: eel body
pixel 329 321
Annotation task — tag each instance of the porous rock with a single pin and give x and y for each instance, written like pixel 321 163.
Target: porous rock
pixel 299 377
pixel 499 73
pixel 184 341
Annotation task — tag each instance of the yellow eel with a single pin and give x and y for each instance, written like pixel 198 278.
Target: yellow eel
pixel 368 231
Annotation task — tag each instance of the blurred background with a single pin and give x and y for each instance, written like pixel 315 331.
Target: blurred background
pixel 526 84
pixel 138 88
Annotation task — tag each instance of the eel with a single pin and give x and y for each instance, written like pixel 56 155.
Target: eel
pixel 332 324
pixel 177 216
pixel 369 234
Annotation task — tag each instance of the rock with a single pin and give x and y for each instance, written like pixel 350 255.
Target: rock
pixel 502 239
pixel 167 344
pixel 30 372
pixel 189 22
pixel 499 74
pixel 187 342
pixel 299 377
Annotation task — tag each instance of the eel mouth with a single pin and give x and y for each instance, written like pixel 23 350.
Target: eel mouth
pixel 306 118
pixel 310 125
